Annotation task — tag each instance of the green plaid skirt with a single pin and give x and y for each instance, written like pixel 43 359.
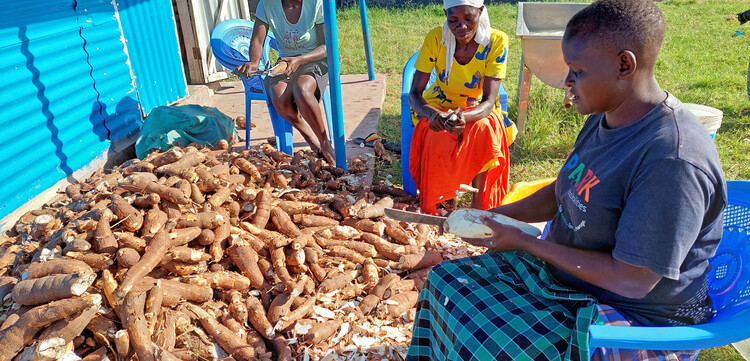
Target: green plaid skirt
pixel 499 306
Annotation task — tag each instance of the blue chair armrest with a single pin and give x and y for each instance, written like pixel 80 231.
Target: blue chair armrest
pixel 708 335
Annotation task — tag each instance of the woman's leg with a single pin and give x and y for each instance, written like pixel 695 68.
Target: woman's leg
pixel 479 183
pixel 305 91
pixel 282 97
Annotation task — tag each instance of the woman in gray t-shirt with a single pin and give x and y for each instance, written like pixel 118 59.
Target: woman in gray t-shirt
pixel 298 28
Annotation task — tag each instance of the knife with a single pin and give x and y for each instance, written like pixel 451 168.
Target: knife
pixel 463 222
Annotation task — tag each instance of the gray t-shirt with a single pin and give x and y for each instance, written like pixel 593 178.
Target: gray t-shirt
pixel 652 193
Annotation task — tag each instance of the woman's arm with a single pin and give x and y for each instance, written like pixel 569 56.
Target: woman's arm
pixel 260 30
pixel 481 111
pixel 597 268
pixel 419 104
pixel 539 206
pixel 294 62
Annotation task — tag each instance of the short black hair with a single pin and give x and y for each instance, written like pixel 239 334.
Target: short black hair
pixel 635 25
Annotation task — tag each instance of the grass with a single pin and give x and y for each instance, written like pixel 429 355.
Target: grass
pixel 700 62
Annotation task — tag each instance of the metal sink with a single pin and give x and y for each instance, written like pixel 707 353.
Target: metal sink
pixel 540 26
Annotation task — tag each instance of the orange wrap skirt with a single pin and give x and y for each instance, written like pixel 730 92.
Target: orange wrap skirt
pixel 439 162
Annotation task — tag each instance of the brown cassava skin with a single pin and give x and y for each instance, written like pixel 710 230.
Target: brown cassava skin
pixel 131 218
pixel 221 195
pixel 183 236
pixel 99 355
pixel 196 195
pixel 156 251
pixel 233 345
pixel 390 190
pixel 370 276
pixel 298 313
pixel 246 166
pixel 206 237
pixel 104 240
pixel 153 221
pixel 377 209
pixel 103 329
pixel 20 333
pixel 141 184
pixel 284 223
pixel 146 201
pixel 278 260
pixel 364 248
pixel 343 252
pixel 365 225
pixel 337 281
pixel 229 280
pixel 126 239
pixel 209 220
pixel 134 321
pixel 257 317
pixel 311 220
pixel 127 257
pixel 69 328
pixel 154 299
pixel 7 284
pixel 420 260
pixel 386 249
pixel 246 259
pixel 219 244
pixel 165 337
pixel 394 230
pixel 76 245
pixel 170 156
pixel 283 351
pixel 176 292
pixel 237 307
pixel 56 266
pixel 403 302
pixel 45 289
pixel 188 160
pixel 322 331
pixel 263 208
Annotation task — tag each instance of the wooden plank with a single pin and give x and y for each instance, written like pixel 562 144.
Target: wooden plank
pixel 197 73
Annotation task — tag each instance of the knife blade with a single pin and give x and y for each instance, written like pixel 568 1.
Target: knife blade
pixel 414 217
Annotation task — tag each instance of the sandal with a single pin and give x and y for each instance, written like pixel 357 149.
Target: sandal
pixel 370 139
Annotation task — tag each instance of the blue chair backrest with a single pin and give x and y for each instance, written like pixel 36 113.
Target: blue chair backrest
pixel 729 278
pixel 230 43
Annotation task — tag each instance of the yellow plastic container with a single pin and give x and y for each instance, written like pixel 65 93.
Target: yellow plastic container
pixel 522 190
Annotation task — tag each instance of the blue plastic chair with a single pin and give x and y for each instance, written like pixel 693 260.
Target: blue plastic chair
pixel 729 288
pixel 230 44
pixel 407 127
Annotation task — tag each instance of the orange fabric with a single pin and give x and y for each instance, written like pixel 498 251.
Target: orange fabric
pixel 439 163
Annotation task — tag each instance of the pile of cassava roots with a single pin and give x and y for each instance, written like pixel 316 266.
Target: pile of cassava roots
pixel 207 253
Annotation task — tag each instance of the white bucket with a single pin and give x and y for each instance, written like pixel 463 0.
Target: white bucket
pixel 709 116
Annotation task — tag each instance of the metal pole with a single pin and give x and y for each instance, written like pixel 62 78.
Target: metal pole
pixel 334 79
pixel 366 38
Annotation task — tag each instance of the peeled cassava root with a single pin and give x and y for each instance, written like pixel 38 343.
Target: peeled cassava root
pixel 170 255
pixel 466 222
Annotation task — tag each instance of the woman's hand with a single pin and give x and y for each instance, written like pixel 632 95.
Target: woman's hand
pixel 246 69
pixel 506 238
pixel 437 121
pixel 292 64
pixel 455 123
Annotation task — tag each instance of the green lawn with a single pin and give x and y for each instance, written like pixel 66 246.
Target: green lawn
pixel 700 62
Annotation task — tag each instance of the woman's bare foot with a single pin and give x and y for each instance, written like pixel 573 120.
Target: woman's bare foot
pixel 326 149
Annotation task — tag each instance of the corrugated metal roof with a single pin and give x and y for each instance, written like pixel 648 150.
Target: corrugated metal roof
pixel 151 39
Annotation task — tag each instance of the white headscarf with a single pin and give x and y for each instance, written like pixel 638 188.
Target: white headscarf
pixel 449 40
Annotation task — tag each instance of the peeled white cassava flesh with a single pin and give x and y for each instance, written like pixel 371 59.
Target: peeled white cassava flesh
pixel 466 222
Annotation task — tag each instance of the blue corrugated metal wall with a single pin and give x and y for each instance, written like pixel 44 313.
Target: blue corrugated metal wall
pixel 68 92
pixel 155 59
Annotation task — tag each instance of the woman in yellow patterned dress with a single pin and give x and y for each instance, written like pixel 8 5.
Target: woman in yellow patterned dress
pixel 460 136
